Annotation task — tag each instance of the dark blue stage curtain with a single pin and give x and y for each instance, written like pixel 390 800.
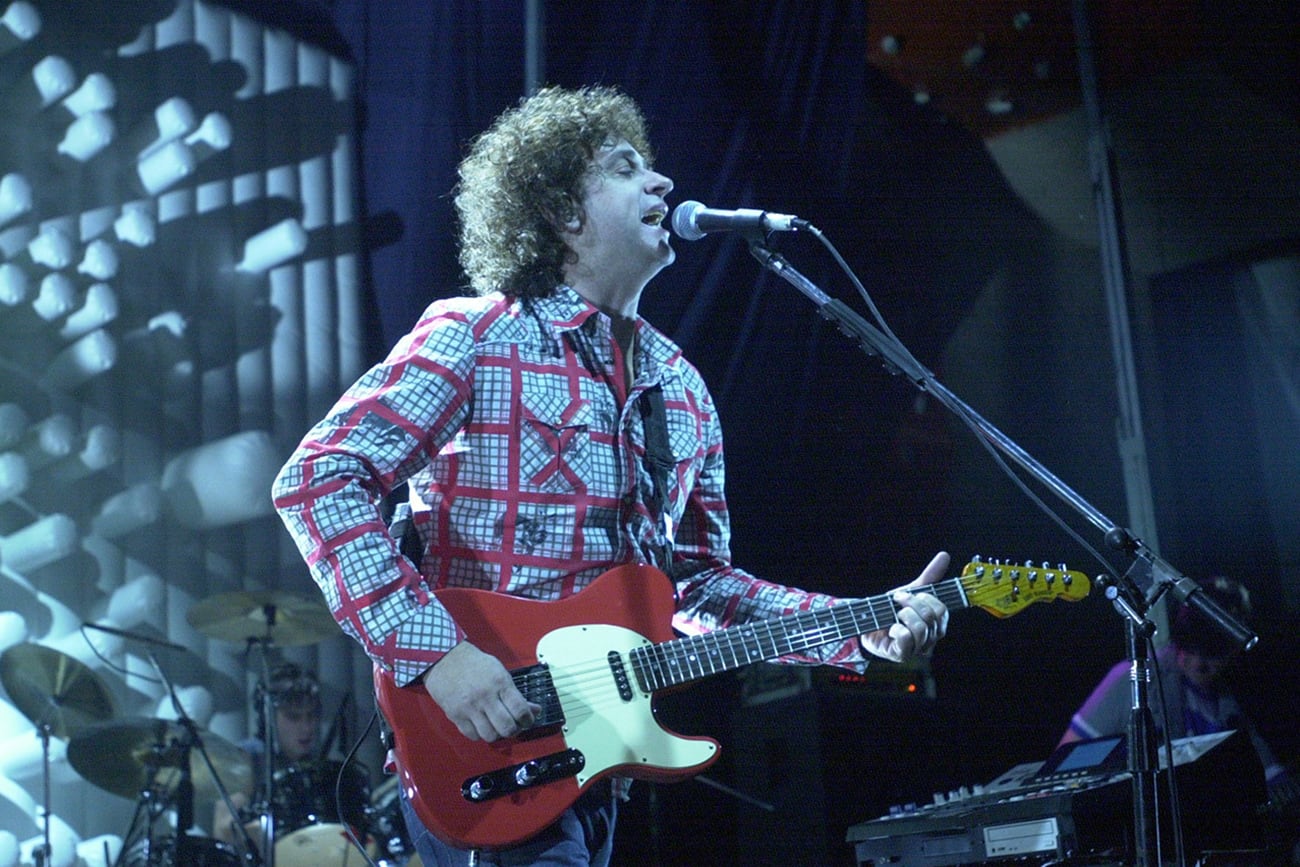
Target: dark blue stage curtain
pixel 767 104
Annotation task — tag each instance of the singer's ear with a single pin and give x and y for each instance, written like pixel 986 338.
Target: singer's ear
pixel 572 225
pixel 566 216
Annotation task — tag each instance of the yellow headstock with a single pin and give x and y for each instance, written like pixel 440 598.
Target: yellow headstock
pixel 1003 589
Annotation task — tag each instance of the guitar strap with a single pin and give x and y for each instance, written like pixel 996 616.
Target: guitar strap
pixel 659 463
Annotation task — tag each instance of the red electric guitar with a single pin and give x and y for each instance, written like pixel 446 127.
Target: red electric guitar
pixel 593 662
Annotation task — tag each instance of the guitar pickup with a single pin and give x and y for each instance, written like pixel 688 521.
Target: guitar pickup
pixel 619 673
pixel 525 775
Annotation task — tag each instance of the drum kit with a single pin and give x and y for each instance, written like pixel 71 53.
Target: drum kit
pixel 167 765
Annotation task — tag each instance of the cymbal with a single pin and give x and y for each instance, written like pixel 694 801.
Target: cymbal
pixel 126 757
pixel 286 619
pixel 54 689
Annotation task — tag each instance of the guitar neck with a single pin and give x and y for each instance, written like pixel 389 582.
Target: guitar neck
pixel 686 659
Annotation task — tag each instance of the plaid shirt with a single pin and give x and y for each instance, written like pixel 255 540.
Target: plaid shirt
pixel 523 454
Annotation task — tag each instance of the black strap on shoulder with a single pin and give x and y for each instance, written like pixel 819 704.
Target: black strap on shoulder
pixel 658 458
pixel 658 455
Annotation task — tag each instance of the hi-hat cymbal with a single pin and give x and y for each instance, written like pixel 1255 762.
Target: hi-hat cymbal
pixel 286 619
pixel 53 689
pixel 127 757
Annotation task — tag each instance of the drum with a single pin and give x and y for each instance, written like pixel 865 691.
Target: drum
pixel 161 852
pixel 311 829
pixel 304 795
pixel 320 845
pixel 388 828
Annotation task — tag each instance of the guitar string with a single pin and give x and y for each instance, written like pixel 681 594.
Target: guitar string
pixel 954 594
pixel 845 619
pixel 699 660
pixel 665 664
pixel 669 663
pixel 663 667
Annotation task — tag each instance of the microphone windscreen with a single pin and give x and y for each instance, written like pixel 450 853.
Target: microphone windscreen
pixel 683 221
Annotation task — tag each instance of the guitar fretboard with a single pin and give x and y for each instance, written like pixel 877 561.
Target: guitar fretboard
pixel 685 659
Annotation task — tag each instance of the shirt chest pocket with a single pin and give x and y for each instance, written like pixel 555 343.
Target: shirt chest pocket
pixel 554 444
pixel 688 459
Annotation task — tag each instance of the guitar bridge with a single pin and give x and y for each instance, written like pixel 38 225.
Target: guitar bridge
pixel 525 775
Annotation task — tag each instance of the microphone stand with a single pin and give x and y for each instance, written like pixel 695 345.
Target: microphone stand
pixel 185 786
pixel 132 636
pixel 1148 578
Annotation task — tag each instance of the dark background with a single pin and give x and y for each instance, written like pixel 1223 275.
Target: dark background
pixel 843 478
pixel 952 175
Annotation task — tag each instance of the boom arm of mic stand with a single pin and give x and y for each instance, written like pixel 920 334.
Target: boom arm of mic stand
pixel 1151 573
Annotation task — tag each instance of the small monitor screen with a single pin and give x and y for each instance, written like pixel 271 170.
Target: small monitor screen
pixel 1080 756
pixel 1087 754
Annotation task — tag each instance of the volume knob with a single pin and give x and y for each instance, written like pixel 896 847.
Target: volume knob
pixel 528 773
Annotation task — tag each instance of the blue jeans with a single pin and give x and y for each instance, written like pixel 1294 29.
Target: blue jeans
pixel 583 836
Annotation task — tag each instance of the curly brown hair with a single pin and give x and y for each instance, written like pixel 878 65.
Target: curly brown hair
pixel 523 178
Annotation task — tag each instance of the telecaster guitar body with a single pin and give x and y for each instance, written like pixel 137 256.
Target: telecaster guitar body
pixel 593 662
pixel 608 730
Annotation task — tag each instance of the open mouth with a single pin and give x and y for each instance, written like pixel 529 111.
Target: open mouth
pixel 654 218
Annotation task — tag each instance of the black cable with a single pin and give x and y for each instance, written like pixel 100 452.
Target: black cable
pixel 112 666
pixel 1175 813
pixel 338 789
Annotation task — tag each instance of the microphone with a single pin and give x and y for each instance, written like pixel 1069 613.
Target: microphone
pixel 692 221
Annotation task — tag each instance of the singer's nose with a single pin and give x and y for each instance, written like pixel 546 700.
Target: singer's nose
pixel 659 185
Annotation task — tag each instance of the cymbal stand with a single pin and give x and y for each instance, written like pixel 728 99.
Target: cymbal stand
pixel 44 853
pixel 185 786
pixel 184 797
pixel 269 738
pixel 148 806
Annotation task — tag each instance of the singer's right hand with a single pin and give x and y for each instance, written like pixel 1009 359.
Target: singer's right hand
pixel 478 695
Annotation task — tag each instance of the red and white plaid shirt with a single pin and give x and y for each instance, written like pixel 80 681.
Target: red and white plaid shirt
pixel 524 457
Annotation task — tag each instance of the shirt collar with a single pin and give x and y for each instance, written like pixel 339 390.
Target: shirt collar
pixel 566 310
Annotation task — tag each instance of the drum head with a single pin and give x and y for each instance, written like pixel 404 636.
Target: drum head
pixel 318 846
pixel 162 852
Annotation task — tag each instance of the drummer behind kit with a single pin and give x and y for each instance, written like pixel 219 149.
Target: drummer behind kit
pixel 167 766
pixel 318 809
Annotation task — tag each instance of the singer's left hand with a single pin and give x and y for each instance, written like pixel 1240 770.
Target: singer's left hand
pixel 921 620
